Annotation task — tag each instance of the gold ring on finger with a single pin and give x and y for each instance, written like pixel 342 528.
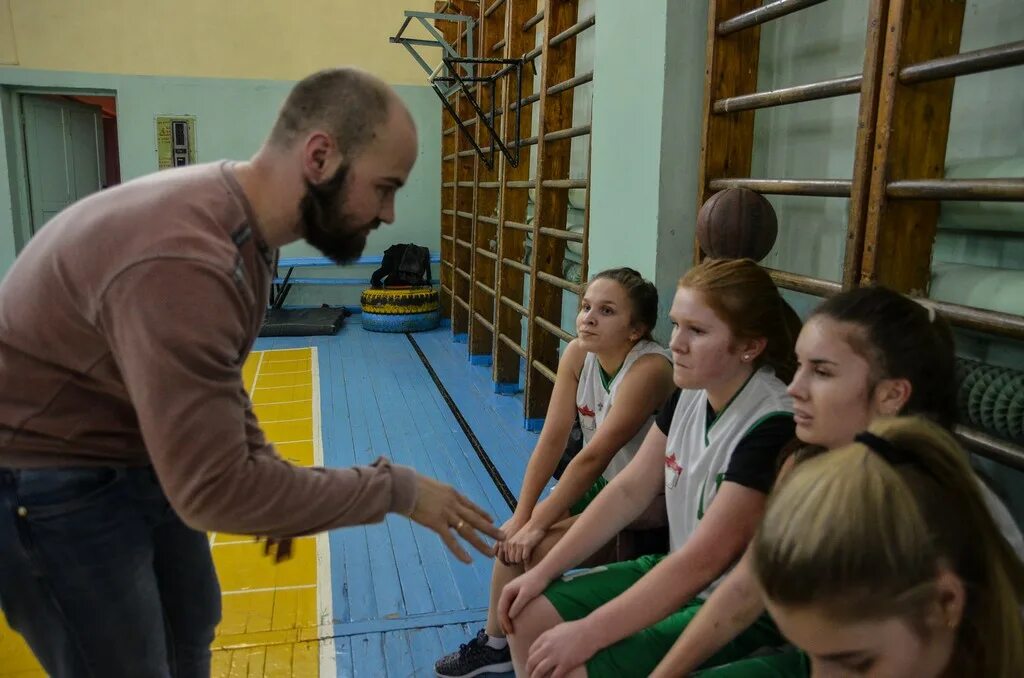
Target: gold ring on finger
pixel 458 525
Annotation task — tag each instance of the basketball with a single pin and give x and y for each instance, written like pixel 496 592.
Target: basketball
pixel 737 223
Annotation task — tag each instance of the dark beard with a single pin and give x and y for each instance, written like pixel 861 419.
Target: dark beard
pixel 326 224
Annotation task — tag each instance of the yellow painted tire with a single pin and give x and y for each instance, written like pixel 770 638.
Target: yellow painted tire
pixel 399 301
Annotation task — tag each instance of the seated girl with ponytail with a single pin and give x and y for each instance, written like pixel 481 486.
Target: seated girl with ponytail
pixel 864 354
pixel 611 378
pixel 712 453
pixel 882 558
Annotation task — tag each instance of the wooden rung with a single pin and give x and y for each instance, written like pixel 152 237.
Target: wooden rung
pixel 992 322
pixel 553 329
pixel 448 184
pixel 465 184
pixel 486 253
pixel 571 83
pixel 493 6
pixel 826 188
pixel 515 225
pixel 445 262
pixel 543 369
pixel 447 290
pixel 1011 190
pixel 532 54
pixel 485 288
pixel 450 213
pixel 467 153
pixel 569 133
pixel 498 45
pixel 512 345
pixel 564 183
pixel 528 141
pixel 558 282
pixel 515 264
pixel 533 20
pixel 803 283
pixel 465 215
pixel 449 157
pixel 488 220
pixel 763 14
pixel 463 243
pixel 525 101
pixel 447 237
pixel 449 131
pixel 991 447
pixel 790 95
pixel 572 31
pixel 520 184
pixel 483 321
pixel 517 307
pixel 561 234
pixel 978 61
pixel 462 302
pixel 489 184
pixel 462 273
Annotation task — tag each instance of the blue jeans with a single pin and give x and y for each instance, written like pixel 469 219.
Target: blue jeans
pixel 101 577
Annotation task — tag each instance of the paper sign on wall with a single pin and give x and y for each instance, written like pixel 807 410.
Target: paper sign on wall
pixel 175 140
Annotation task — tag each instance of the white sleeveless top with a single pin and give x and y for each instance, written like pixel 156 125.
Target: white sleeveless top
pixel 594 401
pixel 697 454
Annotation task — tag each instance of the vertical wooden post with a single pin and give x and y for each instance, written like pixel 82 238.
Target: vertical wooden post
pixel 557 65
pixel 874 48
pixel 912 131
pixel 465 170
pixel 727 139
pixel 481 337
pixel 513 202
pixel 450 31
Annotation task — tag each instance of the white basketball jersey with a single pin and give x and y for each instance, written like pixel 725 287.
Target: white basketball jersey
pixel 594 401
pixel 697 453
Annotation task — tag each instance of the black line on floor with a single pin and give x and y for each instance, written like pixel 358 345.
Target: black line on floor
pixel 485 459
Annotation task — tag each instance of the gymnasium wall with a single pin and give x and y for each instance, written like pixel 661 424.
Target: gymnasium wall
pixel 229 63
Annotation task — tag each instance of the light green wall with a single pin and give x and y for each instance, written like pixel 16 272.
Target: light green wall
pixel 646 139
pixel 232 119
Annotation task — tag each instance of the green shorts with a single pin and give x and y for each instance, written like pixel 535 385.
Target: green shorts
pixel 787 663
pixel 588 497
pixel 577 594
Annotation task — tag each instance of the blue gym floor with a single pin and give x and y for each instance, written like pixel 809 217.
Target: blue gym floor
pixel 400 600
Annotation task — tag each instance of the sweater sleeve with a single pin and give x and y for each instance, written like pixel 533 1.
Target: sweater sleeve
pixel 177 330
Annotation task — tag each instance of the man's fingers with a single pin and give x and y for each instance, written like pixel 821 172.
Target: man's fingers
pixel 482 523
pixel 453 545
pixel 476 509
pixel 470 534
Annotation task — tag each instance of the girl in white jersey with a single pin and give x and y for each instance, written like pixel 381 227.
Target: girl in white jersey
pixel 882 559
pixel 863 354
pixel 613 377
pixel 712 453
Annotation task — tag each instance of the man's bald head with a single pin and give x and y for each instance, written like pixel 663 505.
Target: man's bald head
pixel 348 104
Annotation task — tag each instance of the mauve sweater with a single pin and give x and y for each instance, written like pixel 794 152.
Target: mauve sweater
pixel 124 324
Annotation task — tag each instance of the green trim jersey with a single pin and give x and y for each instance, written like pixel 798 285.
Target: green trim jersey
pixel 698 451
pixel 594 401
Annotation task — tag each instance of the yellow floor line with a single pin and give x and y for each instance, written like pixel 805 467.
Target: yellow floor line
pixel 274 615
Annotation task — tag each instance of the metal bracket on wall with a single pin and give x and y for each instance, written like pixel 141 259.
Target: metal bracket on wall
pixel 446 79
pixel 486 119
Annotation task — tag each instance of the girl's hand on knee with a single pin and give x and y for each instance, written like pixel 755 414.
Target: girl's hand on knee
pixel 560 650
pixel 516 595
pixel 520 547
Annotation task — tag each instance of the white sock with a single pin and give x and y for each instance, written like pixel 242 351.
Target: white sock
pixel 497 643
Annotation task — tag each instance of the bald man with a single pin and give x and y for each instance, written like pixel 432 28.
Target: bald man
pixel 125 430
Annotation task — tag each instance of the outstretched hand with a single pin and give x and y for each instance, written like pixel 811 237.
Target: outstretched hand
pixel 442 509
